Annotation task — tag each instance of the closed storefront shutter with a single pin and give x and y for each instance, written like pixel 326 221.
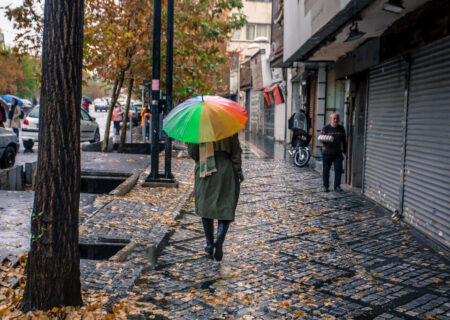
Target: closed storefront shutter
pixel 384 136
pixel 247 107
pixel 256 98
pixel 269 120
pixel 427 163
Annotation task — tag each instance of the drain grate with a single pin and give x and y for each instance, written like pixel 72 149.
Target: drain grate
pixel 100 185
pixel 100 250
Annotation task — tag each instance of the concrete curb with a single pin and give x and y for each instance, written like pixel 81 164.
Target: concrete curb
pixel 126 186
pixel 123 254
pixel 12 178
pixel 97 146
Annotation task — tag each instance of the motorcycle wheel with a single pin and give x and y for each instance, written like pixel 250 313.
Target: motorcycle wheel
pixel 301 157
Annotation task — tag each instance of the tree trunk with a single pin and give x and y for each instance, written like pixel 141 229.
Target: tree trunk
pixel 123 133
pixel 116 91
pixel 53 266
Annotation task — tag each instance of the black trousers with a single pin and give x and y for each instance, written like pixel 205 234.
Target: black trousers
pixel 117 127
pixel 327 161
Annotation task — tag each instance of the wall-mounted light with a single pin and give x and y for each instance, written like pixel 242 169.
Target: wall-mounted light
pixel 355 33
pixel 394 6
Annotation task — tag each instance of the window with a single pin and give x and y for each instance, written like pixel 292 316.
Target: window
pixel 262 30
pixel 85 116
pixel 254 30
pixel 34 113
pixel 236 35
pixel 250 32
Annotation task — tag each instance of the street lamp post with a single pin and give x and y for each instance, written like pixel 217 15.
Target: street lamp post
pixel 156 179
pixel 169 77
pixel 156 74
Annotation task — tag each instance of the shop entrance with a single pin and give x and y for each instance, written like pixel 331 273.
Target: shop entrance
pixel 357 100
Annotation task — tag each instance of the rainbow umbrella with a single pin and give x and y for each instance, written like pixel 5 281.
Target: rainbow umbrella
pixel 205 119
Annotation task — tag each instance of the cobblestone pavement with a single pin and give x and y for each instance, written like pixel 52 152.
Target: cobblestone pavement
pixel 140 221
pixel 294 252
pixel 136 224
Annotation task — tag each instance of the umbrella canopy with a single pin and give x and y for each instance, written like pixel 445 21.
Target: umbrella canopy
pixel 205 119
pixel 87 100
pixel 8 98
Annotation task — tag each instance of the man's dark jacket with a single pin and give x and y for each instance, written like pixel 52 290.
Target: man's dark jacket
pixel 339 143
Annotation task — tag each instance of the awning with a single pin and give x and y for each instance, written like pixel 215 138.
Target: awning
pixel 275 92
pixel 299 77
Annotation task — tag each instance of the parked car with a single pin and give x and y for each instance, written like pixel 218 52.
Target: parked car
pixel 138 107
pixel 8 148
pixel 27 106
pixel 8 143
pixel 89 129
pixel 132 113
pixel 101 106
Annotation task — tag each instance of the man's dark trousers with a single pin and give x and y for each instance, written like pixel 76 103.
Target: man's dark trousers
pixel 336 160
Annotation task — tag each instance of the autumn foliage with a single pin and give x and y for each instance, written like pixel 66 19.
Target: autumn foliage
pixel 118 39
pixel 11 73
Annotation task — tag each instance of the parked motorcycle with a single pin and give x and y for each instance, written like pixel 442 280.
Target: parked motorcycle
pixel 299 147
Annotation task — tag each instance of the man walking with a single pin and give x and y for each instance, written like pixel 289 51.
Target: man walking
pixel 334 145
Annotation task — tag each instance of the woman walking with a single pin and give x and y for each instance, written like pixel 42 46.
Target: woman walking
pixel 145 123
pixel 118 117
pixel 14 116
pixel 218 174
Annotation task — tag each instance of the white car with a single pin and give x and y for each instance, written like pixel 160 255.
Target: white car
pixel 8 148
pixel 9 144
pixel 101 105
pixel 89 129
pixel 132 113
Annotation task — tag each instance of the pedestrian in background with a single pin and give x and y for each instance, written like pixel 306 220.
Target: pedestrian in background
pixel 145 123
pixel 334 143
pixel 218 175
pixel 2 117
pixel 118 117
pixel 86 106
pixel 14 117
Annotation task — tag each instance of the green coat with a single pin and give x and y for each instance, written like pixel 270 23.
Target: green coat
pixel 216 196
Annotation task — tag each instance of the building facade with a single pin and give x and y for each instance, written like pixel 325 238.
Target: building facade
pixel 384 66
pixel 247 41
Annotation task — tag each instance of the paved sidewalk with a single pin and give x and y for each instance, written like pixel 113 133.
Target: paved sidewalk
pixel 15 219
pixel 294 252
pixel 119 163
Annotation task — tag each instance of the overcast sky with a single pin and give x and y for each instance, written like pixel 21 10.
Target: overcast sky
pixel 5 24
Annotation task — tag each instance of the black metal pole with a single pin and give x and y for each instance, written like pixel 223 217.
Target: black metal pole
pixel 154 168
pixel 169 78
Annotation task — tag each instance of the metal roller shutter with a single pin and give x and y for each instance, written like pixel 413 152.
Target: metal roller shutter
pixel 269 120
pixel 384 135
pixel 427 164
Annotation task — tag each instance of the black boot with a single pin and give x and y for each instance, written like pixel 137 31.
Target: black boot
pixel 221 233
pixel 208 227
